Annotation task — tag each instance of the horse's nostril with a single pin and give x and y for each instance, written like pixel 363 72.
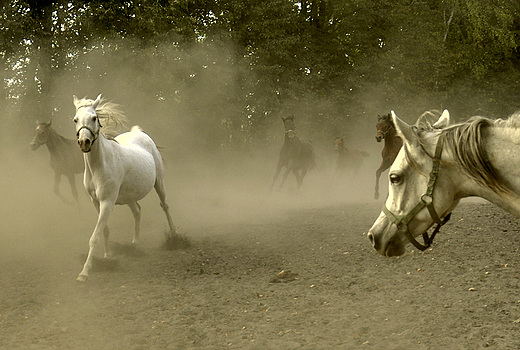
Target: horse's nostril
pixel 372 239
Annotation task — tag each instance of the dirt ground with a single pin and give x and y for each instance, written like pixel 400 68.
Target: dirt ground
pixel 223 291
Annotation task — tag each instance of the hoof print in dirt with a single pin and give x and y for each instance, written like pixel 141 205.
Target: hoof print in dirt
pixel 176 241
pixel 284 276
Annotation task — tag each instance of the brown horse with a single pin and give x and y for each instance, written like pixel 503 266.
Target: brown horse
pixel 66 159
pixel 295 155
pixel 348 159
pixel 393 143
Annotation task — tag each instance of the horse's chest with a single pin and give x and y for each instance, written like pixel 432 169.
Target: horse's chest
pixel 120 179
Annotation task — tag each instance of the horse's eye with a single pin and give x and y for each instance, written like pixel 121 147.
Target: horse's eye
pixel 395 179
pixel 94 118
pixel 75 119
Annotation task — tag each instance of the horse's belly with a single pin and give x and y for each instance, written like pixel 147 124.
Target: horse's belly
pixel 138 181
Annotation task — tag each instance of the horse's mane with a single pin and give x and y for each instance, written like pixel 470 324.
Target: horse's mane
pixel 111 116
pixel 465 141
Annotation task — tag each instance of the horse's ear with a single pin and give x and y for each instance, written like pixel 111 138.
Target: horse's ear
pixel 96 102
pixel 75 100
pixel 444 120
pixel 403 130
pixel 50 122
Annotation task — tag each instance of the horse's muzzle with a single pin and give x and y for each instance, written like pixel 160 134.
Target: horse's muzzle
pixel 392 247
pixel 85 145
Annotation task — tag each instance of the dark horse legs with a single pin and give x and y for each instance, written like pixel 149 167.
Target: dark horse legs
pixel 72 183
pixel 299 178
pixel 384 165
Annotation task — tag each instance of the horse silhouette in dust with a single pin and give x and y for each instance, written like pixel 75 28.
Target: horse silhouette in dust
pixel 393 143
pixel 296 155
pixel 65 160
pixel 349 160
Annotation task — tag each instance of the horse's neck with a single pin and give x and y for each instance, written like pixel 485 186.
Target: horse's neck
pixel 502 149
pixel 55 142
pixel 98 153
pixel 503 152
pixel 392 139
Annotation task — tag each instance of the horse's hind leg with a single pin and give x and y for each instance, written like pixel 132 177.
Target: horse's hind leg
pixel 159 188
pixel 136 212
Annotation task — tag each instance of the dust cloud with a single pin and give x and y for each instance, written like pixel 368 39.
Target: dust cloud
pixel 206 185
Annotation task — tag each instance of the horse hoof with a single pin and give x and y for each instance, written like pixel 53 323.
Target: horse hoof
pixel 82 278
pixel 376 196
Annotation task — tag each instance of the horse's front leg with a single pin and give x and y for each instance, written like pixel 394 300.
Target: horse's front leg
pixel 285 176
pixel 384 165
pixel 136 212
pixel 104 209
pixel 378 175
pixel 57 180
pixel 299 178
pixel 73 189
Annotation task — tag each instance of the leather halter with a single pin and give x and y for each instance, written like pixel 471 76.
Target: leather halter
pixel 385 132
pixel 401 221
pixel 96 135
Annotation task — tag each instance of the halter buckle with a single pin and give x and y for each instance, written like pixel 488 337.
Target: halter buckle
pixel 427 199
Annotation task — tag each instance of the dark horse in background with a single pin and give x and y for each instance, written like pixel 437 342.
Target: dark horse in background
pixel 66 158
pixel 393 143
pixel 349 159
pixel 295 155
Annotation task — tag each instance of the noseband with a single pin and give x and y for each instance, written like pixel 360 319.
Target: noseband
pixel 96 135
pixel 401 221
pixel 384 132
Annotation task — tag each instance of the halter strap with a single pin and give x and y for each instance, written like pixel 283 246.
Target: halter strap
pixel 387 130
pixel 401 221
pixel 96 135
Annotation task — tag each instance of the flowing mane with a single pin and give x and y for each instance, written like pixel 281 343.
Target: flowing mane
pixel 111 116
pixel 465 141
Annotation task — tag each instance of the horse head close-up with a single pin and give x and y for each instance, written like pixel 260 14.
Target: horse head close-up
pixel 416 175
pixel 438 165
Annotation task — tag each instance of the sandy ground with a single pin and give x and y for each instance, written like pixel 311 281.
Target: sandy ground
pixel 223 291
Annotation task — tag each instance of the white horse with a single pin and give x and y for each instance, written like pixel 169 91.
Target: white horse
pixel 122 170
pixel 438 165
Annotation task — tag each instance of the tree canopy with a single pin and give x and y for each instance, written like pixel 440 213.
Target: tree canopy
pixel 229 69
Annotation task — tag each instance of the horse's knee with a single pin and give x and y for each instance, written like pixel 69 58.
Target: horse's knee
pixel 94 240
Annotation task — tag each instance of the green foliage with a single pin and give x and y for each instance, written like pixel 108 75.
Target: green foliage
pixel 229 69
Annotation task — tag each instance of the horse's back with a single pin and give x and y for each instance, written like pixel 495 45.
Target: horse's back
pixel 137 137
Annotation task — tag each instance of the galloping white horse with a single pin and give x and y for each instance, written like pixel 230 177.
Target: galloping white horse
pixel 117 171
pixel 440 164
